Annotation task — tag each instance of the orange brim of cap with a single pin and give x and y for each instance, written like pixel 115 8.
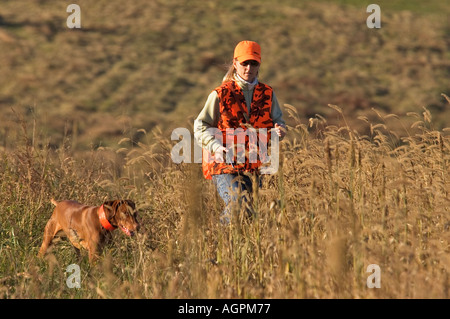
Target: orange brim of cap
pixel 243 58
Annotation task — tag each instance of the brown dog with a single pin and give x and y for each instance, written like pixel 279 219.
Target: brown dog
pixel 88 226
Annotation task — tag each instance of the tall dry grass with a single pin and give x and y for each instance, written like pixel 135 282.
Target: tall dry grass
pixel 342 200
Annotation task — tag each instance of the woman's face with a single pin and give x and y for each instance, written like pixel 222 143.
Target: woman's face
pixel 247 70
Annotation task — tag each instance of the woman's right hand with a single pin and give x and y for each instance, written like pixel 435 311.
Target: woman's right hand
pixel 218 154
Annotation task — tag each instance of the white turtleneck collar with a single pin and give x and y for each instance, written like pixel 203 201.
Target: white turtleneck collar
pixel 244 84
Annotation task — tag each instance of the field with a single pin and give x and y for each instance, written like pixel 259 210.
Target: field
pixel 363 177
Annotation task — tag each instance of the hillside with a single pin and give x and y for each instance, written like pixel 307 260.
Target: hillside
pixel 144 64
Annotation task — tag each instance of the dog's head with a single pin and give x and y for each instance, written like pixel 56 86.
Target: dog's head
pixel 123 214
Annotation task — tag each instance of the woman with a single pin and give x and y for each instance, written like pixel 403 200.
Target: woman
pixel 240 103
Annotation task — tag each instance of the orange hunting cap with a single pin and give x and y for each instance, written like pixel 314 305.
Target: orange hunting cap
pixel 247 50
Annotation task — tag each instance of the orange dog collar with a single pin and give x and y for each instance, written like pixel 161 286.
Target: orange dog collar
pixel 105 223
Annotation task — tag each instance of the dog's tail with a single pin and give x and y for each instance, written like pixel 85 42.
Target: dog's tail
pixel 54 202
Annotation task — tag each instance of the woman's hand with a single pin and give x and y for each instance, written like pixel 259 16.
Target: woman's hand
pixel 280 130
pixel 218 154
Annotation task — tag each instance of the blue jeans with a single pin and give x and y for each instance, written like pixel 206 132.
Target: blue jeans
pixel 230 188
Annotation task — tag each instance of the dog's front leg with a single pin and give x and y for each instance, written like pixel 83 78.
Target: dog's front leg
pixel 94 249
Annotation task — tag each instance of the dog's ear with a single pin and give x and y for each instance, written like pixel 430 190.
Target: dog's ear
pixel 110 208
pixel 131 204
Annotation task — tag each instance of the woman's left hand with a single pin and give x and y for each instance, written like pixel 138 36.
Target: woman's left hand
pixel 280 130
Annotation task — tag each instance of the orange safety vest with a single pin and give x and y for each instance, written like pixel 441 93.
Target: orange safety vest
pixel 234 115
